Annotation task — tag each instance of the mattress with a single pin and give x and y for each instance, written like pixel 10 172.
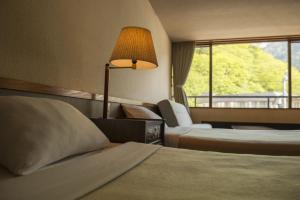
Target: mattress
pixel 139 171
pixel 270 142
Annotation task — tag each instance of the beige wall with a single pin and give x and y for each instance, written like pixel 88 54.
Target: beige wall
pixel 246 115
pixel 66 43
pixel 187 20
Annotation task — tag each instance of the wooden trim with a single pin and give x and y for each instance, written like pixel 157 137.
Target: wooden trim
pixel 289 74
pixel 210 75
pixel 13 84
pixel 26 86
pixel 249 39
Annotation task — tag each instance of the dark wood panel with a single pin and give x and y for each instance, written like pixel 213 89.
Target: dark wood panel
pixel 138 130
pixel 279 126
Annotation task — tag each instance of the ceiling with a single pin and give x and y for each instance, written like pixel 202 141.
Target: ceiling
pixel 221 19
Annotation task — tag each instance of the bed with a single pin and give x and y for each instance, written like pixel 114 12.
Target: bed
pixel 180 132
pixel 269 142
pixel 139 171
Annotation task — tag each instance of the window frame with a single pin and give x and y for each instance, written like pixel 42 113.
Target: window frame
pixel 211 43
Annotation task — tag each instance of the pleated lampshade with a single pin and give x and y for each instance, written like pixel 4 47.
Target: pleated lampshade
pixel 135 49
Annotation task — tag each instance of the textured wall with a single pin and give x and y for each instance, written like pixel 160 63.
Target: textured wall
pixel 66 43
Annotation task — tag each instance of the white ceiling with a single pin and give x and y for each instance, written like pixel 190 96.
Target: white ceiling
pixel 220 19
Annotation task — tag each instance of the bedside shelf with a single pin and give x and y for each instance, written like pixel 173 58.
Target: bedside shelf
pixel 149 131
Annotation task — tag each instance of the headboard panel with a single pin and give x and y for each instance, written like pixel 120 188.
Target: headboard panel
pixel 88 103
pixel 90 108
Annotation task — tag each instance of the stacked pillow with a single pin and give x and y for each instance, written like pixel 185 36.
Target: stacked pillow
pixel 173 113
pixel 139 112
pixel 133 111
pixel 35 132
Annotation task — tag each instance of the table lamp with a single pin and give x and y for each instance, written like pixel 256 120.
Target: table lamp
pixel 135 50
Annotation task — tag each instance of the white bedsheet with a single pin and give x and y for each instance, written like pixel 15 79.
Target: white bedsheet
pixel 173 135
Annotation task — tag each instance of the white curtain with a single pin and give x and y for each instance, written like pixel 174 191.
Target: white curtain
pixel 182 56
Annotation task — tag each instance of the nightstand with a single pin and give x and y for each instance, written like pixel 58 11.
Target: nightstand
pixel 149 131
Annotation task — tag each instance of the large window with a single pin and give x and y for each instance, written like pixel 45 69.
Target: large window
pixel 245 75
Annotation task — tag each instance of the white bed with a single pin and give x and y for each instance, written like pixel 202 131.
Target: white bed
pixel 271 142
pixel 182 133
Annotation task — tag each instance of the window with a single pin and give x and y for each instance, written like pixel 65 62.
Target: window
pixel 295 50
pixel 197 84
pixel 250 75
pixel 245 75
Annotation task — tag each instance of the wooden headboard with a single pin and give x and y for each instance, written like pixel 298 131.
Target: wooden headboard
pixel 89 104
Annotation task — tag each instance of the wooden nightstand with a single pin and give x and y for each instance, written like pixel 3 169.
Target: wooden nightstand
pixel 150 131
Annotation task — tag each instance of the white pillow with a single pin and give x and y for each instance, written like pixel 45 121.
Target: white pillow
pixel 174 113
pixel 35 132
pixel 133 111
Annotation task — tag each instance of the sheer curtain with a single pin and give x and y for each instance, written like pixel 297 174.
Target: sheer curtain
pixel 182 56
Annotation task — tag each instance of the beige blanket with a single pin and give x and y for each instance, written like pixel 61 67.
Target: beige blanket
pixel 122 173
pixel 75 177
pixel 269 142
pixel 180 174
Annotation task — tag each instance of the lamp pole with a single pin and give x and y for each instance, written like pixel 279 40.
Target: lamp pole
pixel 106 85
pixel 105 98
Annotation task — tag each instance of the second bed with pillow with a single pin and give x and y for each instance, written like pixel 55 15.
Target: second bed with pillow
pixel 182 133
